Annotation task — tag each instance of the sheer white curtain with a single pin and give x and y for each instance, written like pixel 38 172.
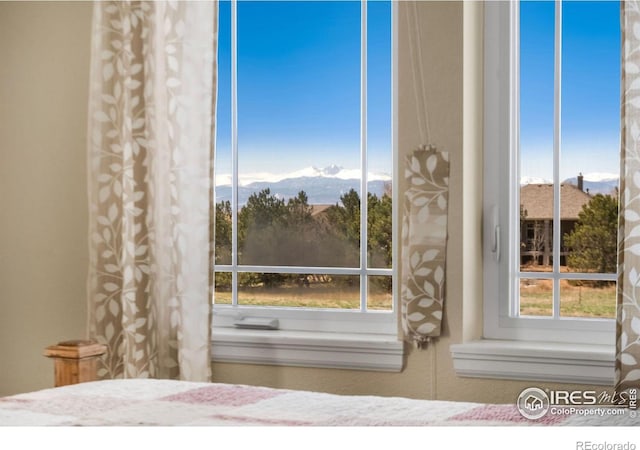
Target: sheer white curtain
pixel 150 156
pixel 628 320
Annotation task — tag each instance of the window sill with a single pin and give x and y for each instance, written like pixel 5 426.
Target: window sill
pixel 308 349
pixel 535 361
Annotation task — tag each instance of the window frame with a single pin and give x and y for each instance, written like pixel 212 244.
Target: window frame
pixel 323 337
pixel 501 195
pixel 506 348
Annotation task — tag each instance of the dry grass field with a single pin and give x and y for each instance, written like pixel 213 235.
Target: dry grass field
pixel 317 295
pixel 576 300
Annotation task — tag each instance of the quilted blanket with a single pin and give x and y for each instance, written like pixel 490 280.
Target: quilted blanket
pixel 178 403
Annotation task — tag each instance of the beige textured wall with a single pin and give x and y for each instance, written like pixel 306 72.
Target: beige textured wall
pixel 44 55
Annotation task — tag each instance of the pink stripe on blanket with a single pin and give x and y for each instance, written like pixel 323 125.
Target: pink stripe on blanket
pixel 503 413
pixel 224 395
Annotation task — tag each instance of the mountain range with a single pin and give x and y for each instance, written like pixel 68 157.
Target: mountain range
pixel 593 183
pixel 323 186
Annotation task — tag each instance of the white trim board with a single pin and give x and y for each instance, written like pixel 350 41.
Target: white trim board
pixel 308 349
pixel 535 361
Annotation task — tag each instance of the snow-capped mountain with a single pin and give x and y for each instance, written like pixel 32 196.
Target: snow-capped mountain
pixel 322 186
pixel 332 171
pixel 533 180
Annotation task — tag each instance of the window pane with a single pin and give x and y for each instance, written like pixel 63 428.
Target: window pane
pixel 380 293
pixel 536 133
pixel 223 139
pixel 590 133
pixel 379 154
pixel 536 297
pixel 222 288
pixel 294 233
pixel 223 233
pixel 299 132
pixel 536 233
pixel 586 298
pixel 380 230
pixel 294 290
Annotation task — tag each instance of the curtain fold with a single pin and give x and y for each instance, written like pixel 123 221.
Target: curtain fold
pixel 150 166
pixel 628 303
pixel 424 244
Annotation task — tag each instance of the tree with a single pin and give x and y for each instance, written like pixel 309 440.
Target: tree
pixel 380 238
pixel 263 210
pixel 274 233
pixel 346 217
pixel 223 232
pixel 299 212
pixel 260 224
pixel 379 230
pixel 593 242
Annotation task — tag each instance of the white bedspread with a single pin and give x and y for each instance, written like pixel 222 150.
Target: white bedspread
pixel 178 403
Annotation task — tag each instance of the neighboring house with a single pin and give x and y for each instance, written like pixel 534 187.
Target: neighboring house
pixel 319 209
pixel 536 223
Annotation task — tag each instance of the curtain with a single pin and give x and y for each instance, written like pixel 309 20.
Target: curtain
pixel 424 244
pixel 628 306
pixel 150 166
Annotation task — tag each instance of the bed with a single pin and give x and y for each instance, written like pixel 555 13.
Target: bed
pixel 147 402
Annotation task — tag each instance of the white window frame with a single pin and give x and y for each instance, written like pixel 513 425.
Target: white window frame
pixel 354 339
pixel 513 347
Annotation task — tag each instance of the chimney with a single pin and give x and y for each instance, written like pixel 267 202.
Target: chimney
pixel 580 181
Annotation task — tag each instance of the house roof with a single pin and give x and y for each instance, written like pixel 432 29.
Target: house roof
pixel 537 201
pixel 319 209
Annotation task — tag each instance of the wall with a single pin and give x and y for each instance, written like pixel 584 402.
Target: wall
pixel 43 86
pixel 44 55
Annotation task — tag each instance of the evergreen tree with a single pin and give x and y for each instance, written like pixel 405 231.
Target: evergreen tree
pixel 346 217
pixel 272 232
pixel 223 232
pixel 380 231
pixel 593 241
pixel 299 212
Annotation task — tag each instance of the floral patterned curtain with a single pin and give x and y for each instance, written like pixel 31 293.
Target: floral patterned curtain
pixel 150 156
pixel 424 244
pixel 628 316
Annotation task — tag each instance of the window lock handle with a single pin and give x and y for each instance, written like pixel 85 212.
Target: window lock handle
pixel 495 246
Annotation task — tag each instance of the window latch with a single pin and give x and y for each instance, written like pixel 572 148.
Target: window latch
pixel 495 246
pixel 496 242
pixel 257 323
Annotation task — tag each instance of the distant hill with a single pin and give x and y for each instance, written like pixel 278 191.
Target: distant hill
pixel 593 183
pixel 597 183
pixel 322 186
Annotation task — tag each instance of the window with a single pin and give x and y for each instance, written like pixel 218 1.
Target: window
pixel 552 95
pixel 304 168
pixel 564 129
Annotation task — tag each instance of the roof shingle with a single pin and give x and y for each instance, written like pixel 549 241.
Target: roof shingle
pixel 537 201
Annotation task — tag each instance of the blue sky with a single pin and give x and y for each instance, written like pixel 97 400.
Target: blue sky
pixel 590 87
pixel 299 86
pixel 299 82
